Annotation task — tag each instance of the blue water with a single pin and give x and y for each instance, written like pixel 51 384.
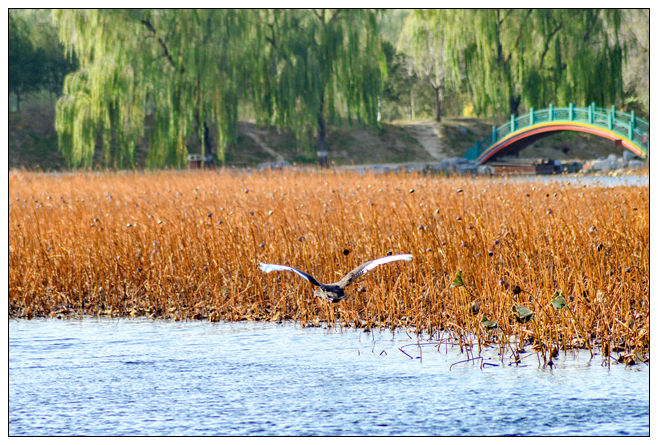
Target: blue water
pixel 140 377
pixel 589 181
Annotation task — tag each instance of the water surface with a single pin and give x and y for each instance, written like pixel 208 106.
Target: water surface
pixel 588 181
pixel 139 377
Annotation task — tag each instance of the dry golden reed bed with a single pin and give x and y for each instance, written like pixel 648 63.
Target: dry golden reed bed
pixel 186 245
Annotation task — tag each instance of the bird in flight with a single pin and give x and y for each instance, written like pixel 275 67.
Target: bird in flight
pixel 334 292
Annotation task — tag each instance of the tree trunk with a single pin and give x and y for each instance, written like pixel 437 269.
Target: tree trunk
pixel 321 144
pixel 207 145
pixel 321 139
pixel 437 98
pixel 514 102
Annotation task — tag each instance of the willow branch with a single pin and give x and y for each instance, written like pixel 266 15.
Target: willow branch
pixel 162 43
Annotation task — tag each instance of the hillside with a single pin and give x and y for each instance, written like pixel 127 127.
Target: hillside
pixel 32 143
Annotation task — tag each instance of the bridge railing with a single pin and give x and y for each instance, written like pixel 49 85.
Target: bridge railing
pixel 624 124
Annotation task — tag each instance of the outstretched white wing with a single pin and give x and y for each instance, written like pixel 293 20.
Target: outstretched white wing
pixel 356 273
pixel 387 259
pixel 267 268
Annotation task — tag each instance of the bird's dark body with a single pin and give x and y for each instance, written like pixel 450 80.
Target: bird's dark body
pixel 332 293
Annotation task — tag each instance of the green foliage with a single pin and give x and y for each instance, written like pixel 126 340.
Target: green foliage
pixel 634 34
pixel 173 71
pixel 405 94
pixel 316 67
pixel 503 59
pixel 175 79
pixel 180 72
pixel 558 301
pixel 397 91
pixel 522 313
pixel 425 48
pixel 36 60
pixel 458 281
pixel 23 59
pixel 489 325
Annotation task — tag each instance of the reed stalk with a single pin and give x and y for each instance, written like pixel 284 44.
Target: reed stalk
pixel 186 245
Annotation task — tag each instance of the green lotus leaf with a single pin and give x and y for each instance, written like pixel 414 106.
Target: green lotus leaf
pixel 458 281
pixel 489 324
pixel 558 301
pixel 522 313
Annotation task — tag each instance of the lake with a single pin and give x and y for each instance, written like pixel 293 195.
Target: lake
pixel 140 377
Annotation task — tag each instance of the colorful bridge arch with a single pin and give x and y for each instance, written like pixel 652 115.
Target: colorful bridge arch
pixel 627 130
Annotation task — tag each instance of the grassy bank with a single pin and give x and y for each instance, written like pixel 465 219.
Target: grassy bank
pixel 185 245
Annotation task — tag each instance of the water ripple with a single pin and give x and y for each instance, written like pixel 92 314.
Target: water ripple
pixel 137 377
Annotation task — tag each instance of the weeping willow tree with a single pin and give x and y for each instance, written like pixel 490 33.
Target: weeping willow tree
pixel 168 76
pixel 316 66
pixel 503 59
pixel 424 47
pixel 162 75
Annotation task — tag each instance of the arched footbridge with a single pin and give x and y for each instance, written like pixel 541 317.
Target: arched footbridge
pixel 626 130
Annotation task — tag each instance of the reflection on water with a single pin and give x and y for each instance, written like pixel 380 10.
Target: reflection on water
pixel 137 377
